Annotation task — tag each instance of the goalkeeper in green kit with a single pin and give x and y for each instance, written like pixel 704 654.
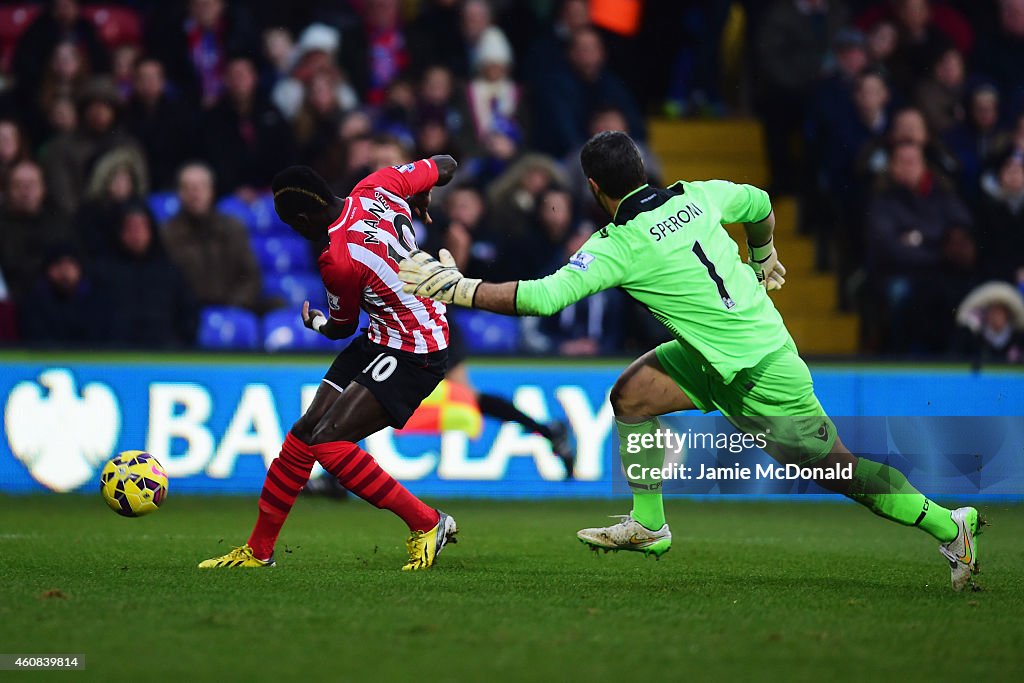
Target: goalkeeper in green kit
pixel 668 250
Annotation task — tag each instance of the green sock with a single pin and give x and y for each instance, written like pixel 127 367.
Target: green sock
pixel 648 507
pixel 887 493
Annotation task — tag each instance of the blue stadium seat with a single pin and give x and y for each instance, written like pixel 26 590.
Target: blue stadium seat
pixel 164 205
pixel 265 220
pixel 296 288
pixel 486 332
pixel 224 327
pixel 283 331
pixel 235 207
pixel 283 255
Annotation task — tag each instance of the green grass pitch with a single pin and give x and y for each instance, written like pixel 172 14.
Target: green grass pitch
pixel 751 590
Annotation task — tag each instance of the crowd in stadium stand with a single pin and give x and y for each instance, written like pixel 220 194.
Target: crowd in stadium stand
pixel 138 140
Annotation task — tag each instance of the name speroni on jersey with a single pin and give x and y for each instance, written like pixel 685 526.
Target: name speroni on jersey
pixel 676 221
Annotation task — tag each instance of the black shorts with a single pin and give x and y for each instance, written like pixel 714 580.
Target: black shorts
pixel 456 345
pixel 399 380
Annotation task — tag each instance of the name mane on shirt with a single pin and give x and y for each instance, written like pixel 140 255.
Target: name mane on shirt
pixel 378 208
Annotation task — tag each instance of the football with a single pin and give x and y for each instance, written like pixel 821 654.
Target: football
pixel 133 483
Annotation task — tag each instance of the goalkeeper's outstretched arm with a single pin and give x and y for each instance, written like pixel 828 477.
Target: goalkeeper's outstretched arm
pixel 499 297
pixel 440 279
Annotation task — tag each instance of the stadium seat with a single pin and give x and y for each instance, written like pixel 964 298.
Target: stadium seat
pixel 487 333
pixel 236 208
pixel 283 331
pixel 264 220
pixel 115 25
pixel 283 255
pixel 224 327
pixel 164 205
pixel 296 288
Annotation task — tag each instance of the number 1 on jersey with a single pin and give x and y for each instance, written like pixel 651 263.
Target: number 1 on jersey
pixel 713 273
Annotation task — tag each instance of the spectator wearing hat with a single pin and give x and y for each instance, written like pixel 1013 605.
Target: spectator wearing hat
pixel 494 99
pixel 479 33
pixel 211 248
pixel 117 180
pixel 991 322
pixel 161 122
pixel 246 140
pixel 69 160
pixel 513 196
pixel 62 309
pixel 146 301
pixel 313 57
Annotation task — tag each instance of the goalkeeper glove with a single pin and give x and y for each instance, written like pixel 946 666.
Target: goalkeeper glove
pixel 437 278
pixel 767 267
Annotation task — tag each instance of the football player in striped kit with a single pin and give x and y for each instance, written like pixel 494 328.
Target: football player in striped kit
pixel 380 378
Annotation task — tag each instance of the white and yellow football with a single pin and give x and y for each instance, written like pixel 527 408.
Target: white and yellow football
pixel 133 483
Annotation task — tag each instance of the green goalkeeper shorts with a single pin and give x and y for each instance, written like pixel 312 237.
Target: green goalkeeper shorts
pixel 774 398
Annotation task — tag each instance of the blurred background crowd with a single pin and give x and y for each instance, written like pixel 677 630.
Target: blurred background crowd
pixel 138 140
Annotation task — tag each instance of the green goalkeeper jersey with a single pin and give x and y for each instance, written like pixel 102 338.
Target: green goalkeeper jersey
pixel 668 250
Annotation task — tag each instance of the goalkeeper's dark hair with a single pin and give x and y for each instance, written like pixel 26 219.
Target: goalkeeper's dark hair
pixel 613 161
pixel 300 189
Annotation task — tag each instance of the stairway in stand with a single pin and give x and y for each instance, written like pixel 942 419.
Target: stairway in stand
pixel 734 150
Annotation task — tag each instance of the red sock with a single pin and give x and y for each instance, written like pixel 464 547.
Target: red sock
pixel 359 473
pixel 287 475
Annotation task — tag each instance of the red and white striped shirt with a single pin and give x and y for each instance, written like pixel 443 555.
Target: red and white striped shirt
pixel 360 265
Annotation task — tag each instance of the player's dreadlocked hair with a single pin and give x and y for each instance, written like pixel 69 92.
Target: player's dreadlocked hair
pixel 300 189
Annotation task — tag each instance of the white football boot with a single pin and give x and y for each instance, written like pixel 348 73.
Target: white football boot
pixel 962 551
pixel 628 534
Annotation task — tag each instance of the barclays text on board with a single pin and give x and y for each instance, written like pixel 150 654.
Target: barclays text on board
pixel 216 427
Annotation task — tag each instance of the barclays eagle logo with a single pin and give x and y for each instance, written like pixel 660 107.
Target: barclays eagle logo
pixel 61 437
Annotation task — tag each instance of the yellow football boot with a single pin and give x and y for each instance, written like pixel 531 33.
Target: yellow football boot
pixel 238 557
pixel 425 546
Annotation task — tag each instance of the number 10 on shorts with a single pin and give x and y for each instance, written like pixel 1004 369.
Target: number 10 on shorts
pixel 381 367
